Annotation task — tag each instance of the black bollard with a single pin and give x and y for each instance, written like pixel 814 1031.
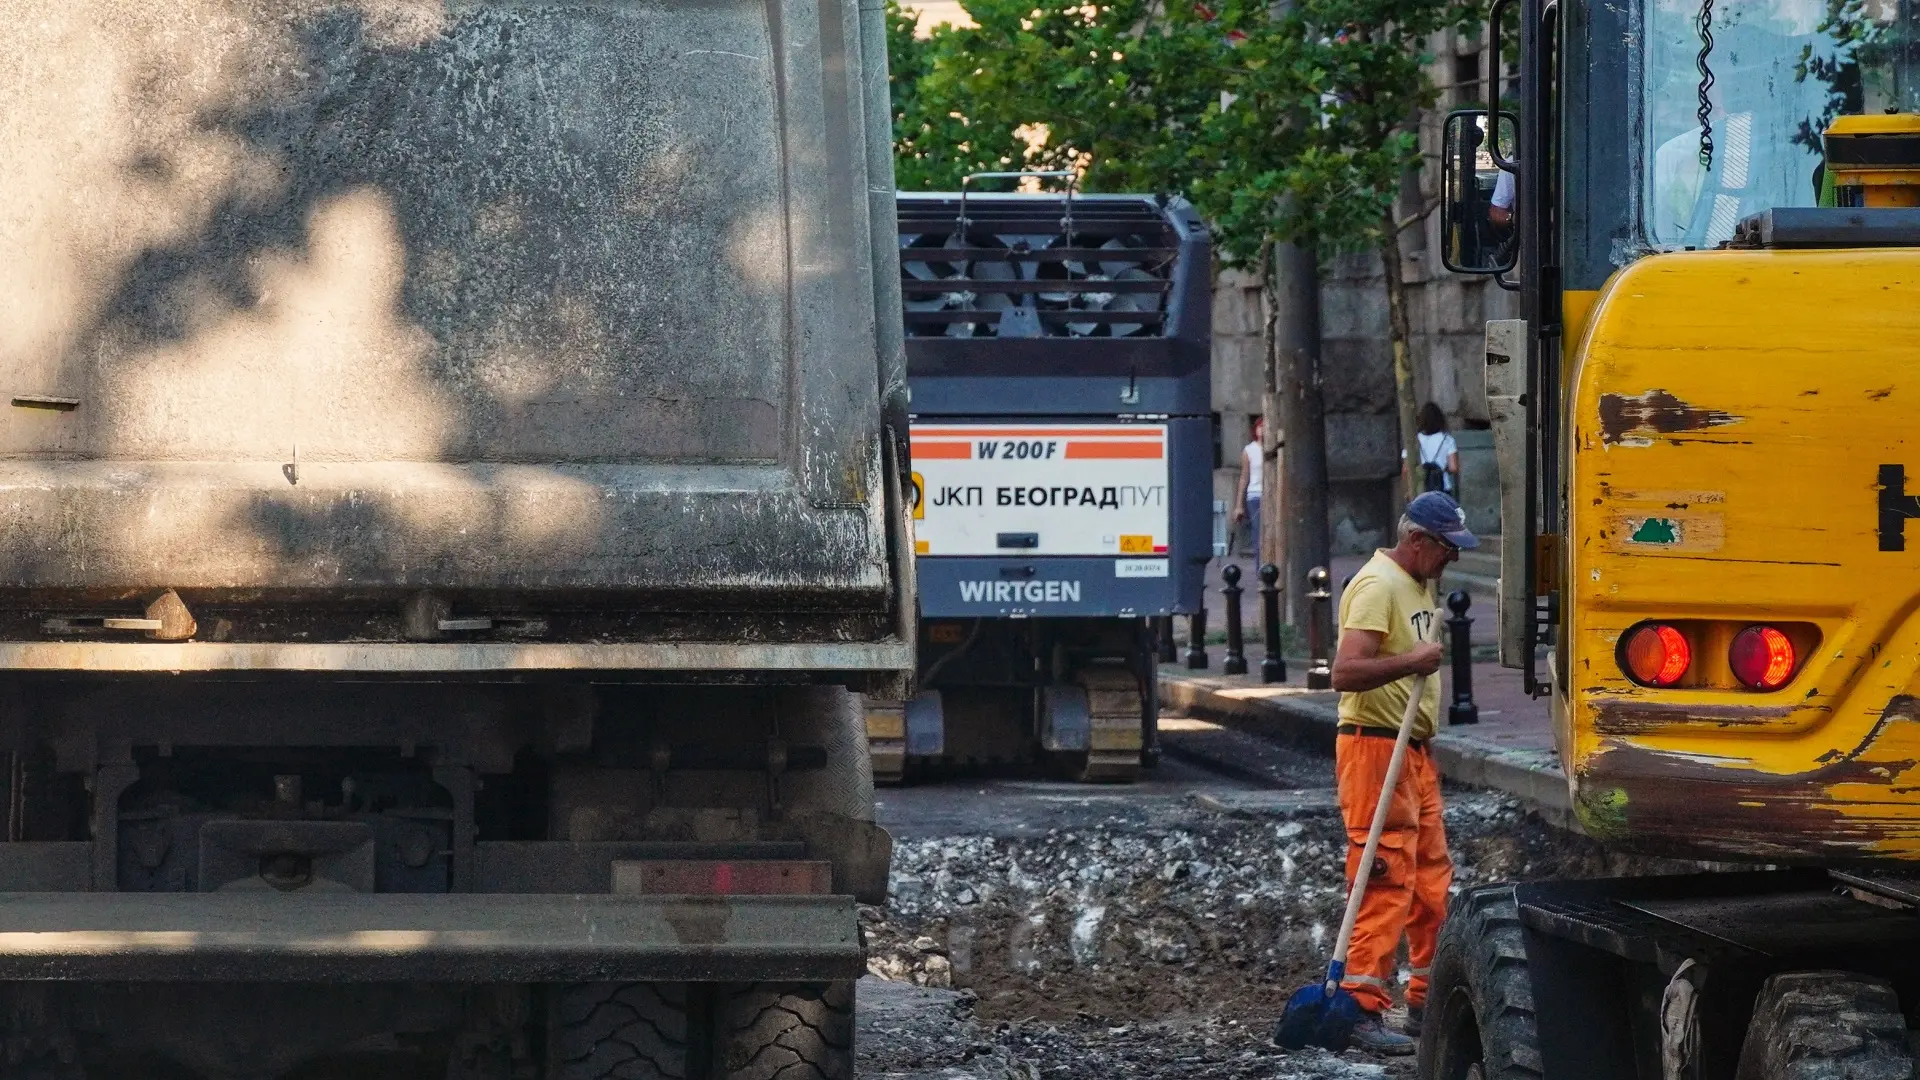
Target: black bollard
pixel 1274 668
pixel 1319 629
pixel 1197 640
pixel 1163 630
pixel 1460 642
pixel 1236 661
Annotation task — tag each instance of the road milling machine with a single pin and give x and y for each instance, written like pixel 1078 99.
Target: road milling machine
pixel 1705 421
pixel 451 495
pixel 1058 364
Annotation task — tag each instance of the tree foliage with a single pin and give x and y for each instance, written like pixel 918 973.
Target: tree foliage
pixel 1281 122
pixel 1315 134
pixel 941 130
pixel 1115 92
pixel 1318 129
pixel 1291 122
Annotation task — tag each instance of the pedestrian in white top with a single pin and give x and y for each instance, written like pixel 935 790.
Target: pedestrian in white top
pixel 1439 454
pixel 1246 501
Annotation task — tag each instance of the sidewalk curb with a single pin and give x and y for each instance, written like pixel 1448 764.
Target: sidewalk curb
pixel 1297 719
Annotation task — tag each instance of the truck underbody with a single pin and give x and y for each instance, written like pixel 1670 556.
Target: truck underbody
pixel 245 878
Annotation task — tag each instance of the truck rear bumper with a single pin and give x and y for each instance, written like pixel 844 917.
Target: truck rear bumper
pixel 452 659
pixel 441 938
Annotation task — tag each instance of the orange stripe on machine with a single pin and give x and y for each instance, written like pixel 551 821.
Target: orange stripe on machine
pixel 1086 449
pixel 967 431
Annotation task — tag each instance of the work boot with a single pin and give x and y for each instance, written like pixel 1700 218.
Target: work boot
pixel 1416 1015
pixel 1372 1036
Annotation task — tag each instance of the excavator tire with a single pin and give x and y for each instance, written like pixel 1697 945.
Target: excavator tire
pixel 1480 1023
pixel 1826 1025
pixel 1116 703
pixel 620 1031
pixel 784 1031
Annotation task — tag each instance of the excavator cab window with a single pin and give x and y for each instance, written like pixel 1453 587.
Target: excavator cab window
pixel 1734 98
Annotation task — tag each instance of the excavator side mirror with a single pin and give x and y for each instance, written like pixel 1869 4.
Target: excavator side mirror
pixel 1477 225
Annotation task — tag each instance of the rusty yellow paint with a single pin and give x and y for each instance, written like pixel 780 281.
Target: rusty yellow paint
pixel 1748 398
pixel 1640 533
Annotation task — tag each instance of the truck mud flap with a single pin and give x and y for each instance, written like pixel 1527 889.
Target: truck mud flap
pixel 444 938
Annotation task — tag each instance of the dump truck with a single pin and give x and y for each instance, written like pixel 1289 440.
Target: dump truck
pixel 452 489
pixel 1059 374
pixel 1704 420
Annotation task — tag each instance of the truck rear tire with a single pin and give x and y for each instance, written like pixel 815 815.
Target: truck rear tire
pixel 1826 1025
pixel 620 1031
pixel 784 1031
pixel 1480 1022
pixel 677 1031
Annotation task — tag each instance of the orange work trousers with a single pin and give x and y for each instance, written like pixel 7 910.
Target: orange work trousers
pixel 1411 872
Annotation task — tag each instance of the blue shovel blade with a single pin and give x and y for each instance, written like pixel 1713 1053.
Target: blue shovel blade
pixel 1314 1017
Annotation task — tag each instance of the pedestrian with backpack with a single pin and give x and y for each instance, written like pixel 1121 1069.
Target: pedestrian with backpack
pixel 1439 454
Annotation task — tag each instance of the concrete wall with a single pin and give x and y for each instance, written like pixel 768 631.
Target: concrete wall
pixel 1447 313
pixel 1239 370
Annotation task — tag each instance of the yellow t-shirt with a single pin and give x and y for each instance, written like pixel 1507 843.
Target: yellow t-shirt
pixel 1385 599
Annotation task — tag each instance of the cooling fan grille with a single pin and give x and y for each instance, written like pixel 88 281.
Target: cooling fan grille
pixel 1016 269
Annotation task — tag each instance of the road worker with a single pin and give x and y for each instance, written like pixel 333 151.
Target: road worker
pixel 1387 614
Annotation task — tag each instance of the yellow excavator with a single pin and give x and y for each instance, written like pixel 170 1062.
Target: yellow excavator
pixel 1708 425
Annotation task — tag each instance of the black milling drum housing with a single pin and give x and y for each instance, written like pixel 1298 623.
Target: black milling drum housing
pixel 1077 287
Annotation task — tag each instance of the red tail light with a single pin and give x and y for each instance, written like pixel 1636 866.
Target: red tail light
pixel 1656 655
pixel 1762 658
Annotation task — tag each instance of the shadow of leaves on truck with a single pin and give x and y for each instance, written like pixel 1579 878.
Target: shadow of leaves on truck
pixel 388 294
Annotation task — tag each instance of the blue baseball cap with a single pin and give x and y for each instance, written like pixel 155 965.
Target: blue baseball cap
pixel 1437 513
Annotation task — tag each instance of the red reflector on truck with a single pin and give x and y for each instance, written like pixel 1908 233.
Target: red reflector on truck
pixel 715 877
pixel 1762 658
pixel 1656 655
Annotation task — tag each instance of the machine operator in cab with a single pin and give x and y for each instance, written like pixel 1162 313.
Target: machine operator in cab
pixel 1387 614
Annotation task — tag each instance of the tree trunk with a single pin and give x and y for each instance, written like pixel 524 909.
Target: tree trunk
pixel 1400 334
pixel 1295 409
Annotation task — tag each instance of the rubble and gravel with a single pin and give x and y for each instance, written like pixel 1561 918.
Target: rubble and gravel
pixel 1216 915
pixel 1160 945
pixel 909 1032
